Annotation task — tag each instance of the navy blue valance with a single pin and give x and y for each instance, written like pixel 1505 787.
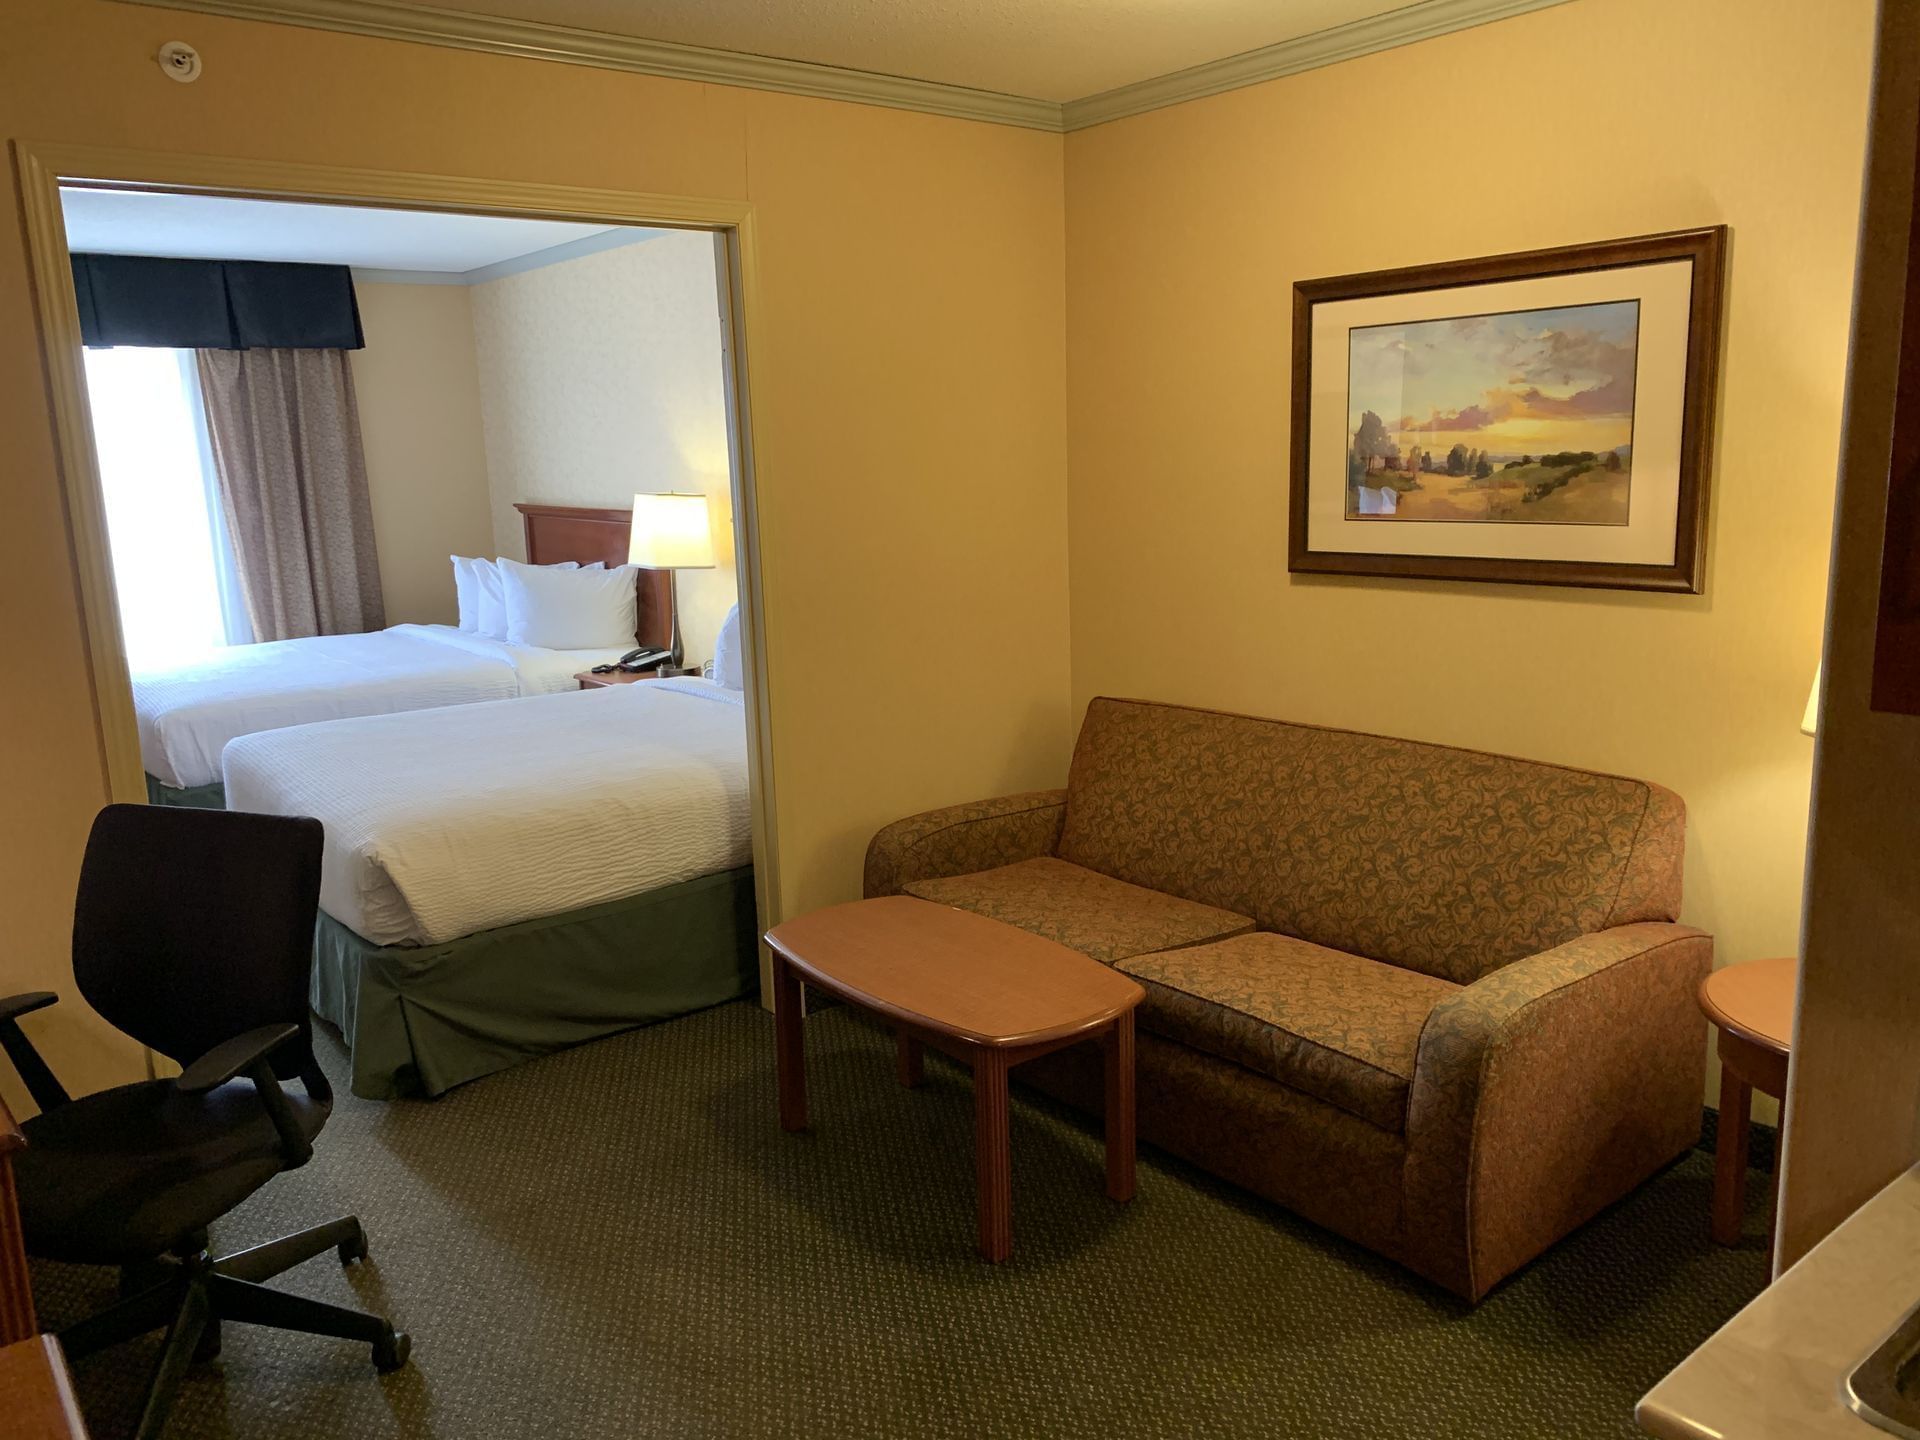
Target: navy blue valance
pixel 215 304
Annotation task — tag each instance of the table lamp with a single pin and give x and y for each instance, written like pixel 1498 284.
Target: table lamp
pixel 672 533
pixel 1810 722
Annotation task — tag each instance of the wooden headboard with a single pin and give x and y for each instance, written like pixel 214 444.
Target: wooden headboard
pixel 565 532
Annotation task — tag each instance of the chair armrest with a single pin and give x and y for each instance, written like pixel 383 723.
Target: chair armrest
pixel 1548 1089
pixel 961 839
pixel 233 1057
pixel 47 1091
pixel 15 1006
pixel 248 1055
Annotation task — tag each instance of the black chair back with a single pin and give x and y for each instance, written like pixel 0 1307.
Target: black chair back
pixel 194 926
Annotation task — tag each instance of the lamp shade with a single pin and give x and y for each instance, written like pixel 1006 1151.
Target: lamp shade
pixel 1810 722
pixel 670 532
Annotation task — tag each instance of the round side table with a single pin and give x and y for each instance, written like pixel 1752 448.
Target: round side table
pixel 1751 1006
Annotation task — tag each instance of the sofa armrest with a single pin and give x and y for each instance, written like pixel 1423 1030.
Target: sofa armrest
pixel 1545 1091
pixel 961 839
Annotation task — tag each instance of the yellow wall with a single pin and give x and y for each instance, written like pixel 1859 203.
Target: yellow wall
pixel 1186 230
pixel 911 395
pixel 418 393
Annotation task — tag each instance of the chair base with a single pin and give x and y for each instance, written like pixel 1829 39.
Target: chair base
pixel 191 1294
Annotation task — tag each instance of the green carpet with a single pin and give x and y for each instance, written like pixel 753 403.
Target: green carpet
pixel 620 1241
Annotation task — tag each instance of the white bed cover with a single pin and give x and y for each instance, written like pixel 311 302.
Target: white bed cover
pixel 443 823
pixel 189 713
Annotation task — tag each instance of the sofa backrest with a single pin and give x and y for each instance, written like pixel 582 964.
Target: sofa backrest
pixel 1451 862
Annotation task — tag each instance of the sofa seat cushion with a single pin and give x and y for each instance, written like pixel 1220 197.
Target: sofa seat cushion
pixel 1339 1027
pixel 1083 909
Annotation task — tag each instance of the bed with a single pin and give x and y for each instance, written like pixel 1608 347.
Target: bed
pixel 187 715
pixel 502 880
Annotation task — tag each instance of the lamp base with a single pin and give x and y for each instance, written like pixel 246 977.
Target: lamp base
pixel 674 648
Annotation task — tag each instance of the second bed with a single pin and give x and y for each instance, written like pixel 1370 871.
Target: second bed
pixel 505 879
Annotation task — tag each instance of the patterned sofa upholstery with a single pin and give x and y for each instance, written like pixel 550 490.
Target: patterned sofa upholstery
pixel 1433 999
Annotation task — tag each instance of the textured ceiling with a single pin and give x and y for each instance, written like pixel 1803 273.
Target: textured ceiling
pixel 1044 49
pixel 214 227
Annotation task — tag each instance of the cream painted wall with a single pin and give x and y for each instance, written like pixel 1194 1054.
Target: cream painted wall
pixel 603 376
pixel 910 401
pixel 418 392
pixel 1186 230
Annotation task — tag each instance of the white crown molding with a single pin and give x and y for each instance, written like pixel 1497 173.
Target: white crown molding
pixel 1405 26
pixel 618 238
pixel 615 239
pixel 372 275
pixel 529 39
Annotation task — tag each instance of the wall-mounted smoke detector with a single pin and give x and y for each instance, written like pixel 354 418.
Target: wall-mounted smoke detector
pixel 179 61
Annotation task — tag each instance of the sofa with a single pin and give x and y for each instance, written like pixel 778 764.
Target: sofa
pixel 1432 999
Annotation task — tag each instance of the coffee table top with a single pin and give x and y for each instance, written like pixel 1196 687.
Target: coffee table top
pixel 953 972
pixel 1754 1000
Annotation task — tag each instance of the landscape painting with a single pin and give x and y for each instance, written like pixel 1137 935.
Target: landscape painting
pixel 1519 418
pixel 1543 417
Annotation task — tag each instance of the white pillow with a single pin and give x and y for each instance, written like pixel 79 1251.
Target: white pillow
pixel 557 609
pixel 729 667
pixel 489 613
pixel 490 601
pixel 466 589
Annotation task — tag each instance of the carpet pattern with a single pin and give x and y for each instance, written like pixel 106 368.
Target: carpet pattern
pixel 620 1241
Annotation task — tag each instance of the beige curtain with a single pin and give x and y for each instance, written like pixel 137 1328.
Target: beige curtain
pixel 293 481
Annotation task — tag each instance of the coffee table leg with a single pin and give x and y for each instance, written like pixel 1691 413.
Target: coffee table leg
pixel 789 1046
pixel 1730 1159
pixel 992 1160
pixel 1117 1045
pixel 913 1068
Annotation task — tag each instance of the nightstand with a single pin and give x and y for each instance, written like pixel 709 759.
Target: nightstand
pixel 590 681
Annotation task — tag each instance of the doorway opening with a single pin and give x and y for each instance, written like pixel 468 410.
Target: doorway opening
pixel 517 457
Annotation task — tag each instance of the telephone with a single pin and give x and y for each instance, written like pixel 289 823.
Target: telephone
pixel 641 659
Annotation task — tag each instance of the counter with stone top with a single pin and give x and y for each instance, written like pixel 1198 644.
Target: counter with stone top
pixel 1778 1368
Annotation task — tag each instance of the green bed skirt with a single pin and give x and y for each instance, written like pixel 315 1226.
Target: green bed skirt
pixel 420 1019
pixel 194 797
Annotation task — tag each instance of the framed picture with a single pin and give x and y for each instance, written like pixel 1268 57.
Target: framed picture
pixel 1542 418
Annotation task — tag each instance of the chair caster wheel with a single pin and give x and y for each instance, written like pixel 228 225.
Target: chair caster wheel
pixel 208 1346
pixel 354 1247
pixel 391 1353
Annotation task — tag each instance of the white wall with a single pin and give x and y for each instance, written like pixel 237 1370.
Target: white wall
pixel 601 377
pixel 418 392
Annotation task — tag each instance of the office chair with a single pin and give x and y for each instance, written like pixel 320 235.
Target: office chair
pixel 192 933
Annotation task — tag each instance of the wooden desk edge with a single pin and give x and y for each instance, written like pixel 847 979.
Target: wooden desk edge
pixel 12 1140
pixel 16 1289
pixel 37 1381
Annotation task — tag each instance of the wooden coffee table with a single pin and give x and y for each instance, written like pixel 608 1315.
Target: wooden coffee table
pixel 987 994
pixel 1751 1005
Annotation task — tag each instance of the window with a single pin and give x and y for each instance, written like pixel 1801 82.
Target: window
pixel 172 557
